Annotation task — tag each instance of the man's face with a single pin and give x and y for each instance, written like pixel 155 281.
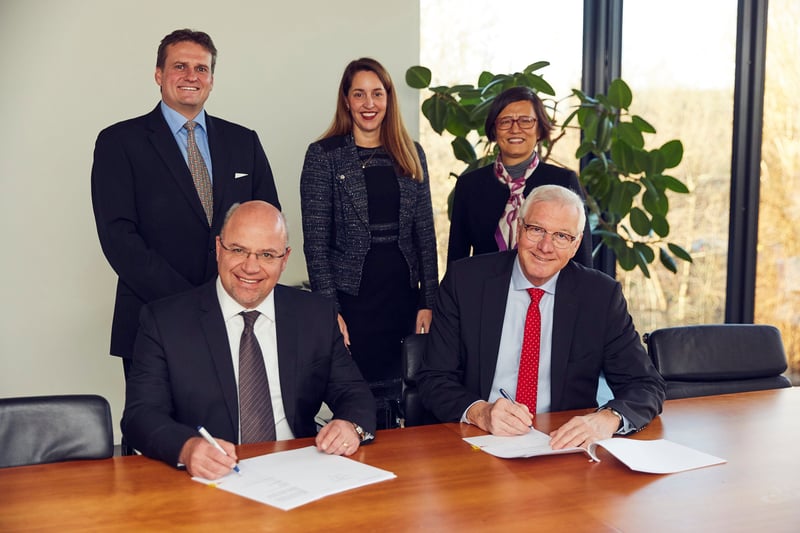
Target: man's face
pixel 253 227
pixel 186 79
pixel 541 260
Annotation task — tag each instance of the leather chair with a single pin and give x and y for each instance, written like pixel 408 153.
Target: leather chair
pixel 718 358
pixel 47 429
pixel 413 411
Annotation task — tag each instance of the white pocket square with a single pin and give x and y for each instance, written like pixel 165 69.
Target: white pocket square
pixel 237 175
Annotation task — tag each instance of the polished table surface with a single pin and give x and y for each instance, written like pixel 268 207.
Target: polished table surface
pixel 443 484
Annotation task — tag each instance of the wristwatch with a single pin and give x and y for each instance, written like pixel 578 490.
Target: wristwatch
pixel 616 413
pixel 362 435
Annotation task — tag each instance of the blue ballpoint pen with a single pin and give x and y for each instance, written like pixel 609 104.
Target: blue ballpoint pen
pixel 508 397
pixel 206 435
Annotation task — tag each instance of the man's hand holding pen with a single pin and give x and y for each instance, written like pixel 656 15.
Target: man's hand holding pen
pixel 503 417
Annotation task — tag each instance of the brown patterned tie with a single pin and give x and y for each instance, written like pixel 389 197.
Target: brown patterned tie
pixel 255 404
pixel 199 170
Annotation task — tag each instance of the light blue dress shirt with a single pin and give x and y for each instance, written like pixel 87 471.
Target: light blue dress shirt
pixel 176 123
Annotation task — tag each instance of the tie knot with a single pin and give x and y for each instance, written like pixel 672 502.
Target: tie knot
pixel 536 295
pixel 190 125
pixel 250 318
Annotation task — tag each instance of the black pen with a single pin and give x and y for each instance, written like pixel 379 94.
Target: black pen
pixel 508 397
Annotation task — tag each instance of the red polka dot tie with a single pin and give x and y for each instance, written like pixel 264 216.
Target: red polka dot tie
pixel 528 378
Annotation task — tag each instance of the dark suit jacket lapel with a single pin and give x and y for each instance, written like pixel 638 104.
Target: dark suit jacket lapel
pixel 493 308
pixel 287 323
pixel 216 336
pixel 164 143
pixel 565 313
pixel 221 164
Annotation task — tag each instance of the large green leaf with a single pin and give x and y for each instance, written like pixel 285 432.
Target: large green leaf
pixel 645 251
pixel 630 134
pixel 619 94
pixel 463 150
pixel 538 84
pixel 673 184
pixel 680 252
pixel 485 78
pixel 655 203
pixel 672 152
pixel 667 260
pixel 435 110
pixel 639 222
pixel 660 225
pixel 642 124
pixel 533 67
pixel 418 77
pixel 458 120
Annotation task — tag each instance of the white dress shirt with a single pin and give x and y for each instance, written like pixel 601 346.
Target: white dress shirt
pixel 264 328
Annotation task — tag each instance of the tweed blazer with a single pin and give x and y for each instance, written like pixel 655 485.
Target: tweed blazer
pixel 336 236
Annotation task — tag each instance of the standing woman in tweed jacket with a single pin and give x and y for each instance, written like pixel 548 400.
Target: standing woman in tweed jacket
pixel 368 232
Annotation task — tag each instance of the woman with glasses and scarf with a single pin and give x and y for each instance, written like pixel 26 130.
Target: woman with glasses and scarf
pixel 486 201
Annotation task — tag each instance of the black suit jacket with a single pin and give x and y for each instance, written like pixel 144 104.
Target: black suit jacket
pixel 478 203
pixel 149 218
pixel 183 376
pixel 592 332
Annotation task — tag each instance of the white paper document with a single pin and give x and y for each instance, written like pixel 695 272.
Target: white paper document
pixel 289 479
pixel 651 456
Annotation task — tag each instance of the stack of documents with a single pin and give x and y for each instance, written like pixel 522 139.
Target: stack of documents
pixel 652 456
pixel 289 479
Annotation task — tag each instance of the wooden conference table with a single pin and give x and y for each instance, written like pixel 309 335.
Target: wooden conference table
pixel 443 484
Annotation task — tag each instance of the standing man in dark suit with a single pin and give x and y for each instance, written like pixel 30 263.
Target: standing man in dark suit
pixel 188 369
pixel 156 232
pixel 480 336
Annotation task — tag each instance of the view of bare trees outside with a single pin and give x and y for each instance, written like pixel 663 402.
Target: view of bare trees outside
pixel 686 92
pixel 684 87
pixel 778 267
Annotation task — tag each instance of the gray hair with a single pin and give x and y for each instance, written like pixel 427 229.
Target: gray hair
pixel 556 194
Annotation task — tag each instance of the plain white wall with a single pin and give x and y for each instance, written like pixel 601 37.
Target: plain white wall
pixel 72 67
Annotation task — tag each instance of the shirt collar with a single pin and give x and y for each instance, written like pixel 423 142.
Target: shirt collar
pixel 520 283
pixel 231 308
pixel 176 121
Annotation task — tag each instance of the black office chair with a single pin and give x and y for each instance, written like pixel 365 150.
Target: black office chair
pixel 413 411
pixel 47 429
pixel 718 359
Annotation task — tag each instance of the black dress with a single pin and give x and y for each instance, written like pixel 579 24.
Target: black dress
pixel 385 309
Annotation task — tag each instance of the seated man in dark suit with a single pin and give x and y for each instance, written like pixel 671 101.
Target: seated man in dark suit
pixel 491 342
pixel 248 359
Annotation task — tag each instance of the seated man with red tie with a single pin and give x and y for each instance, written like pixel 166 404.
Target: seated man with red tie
pixel 525 331
pixel 245 358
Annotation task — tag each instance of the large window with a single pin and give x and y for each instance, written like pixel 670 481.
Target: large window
pixel 462 38
pixel 778 262
pixel 679 59
pixel 684 87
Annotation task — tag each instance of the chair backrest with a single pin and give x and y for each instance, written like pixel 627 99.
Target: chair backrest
pixel 414 412
pixel 718 358
pixel 46 429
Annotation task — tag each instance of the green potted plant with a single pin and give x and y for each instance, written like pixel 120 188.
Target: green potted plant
pixel 626 184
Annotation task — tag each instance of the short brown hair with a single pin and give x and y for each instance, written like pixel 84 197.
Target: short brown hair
pixel 179 36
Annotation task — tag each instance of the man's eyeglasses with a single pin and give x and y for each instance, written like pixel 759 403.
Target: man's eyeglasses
pixel 536 233
pixel 264 258
pixel 506 123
